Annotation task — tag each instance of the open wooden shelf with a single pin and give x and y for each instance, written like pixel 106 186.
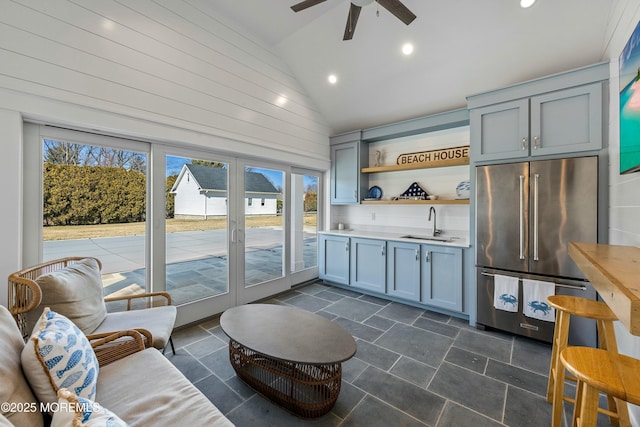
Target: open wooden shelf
pixel 416 202
pixel 412 166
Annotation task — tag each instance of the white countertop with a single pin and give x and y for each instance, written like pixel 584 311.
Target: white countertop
pixel 459 239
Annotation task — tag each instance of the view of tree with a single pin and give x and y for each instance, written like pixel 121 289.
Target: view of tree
pixel 67 153
pixel 208 163
pixel 311 201
pixel 170 197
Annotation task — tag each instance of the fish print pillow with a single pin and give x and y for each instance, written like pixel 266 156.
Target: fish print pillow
pixel 77 411
pixel 58 355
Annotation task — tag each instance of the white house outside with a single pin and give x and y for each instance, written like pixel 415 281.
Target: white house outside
pixel 201 192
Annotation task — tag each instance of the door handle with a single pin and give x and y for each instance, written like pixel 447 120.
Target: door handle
pixel 521 217
pixel 524 143
pixel 426 256
pixel 535 142
pixel 535 217
pixel 417 254
pixel 382 250
pixel 233 235
pixel 346 246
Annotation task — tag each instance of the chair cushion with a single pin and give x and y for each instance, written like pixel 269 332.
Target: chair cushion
pixel 77 411
pixel 76 292
pixel 14 388
pixel 157 320
pixel 58 355
pixel 145 389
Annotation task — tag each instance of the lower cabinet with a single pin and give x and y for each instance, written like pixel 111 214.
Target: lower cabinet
pixel 442 276
pixel 333 258
pixel 403 270
pixel 368 266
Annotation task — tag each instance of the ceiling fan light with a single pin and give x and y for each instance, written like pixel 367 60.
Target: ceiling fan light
pixel 407 49
pixel 333 79
pixel 361 3
pixel 526 3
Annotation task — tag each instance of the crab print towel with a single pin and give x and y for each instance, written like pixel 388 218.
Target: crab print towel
pixel 534 294
pixel 505 292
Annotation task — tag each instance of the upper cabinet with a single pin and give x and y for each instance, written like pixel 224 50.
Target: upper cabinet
pixel 559 114
pixel 348 156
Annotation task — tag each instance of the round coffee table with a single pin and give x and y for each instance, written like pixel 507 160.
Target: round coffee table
pixel 291 356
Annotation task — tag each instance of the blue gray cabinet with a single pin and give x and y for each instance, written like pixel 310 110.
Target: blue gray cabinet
pixel 403 270
pixel 333 258
pixel 554 122
pixel 348 155
pixel 368 264
pixel 441 276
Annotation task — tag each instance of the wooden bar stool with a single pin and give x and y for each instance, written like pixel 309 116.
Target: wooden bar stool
pixel 567 306
pixel 600 370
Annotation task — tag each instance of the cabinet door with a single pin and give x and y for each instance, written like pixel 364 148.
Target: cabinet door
pixel 442 277
pixel 500 131
pixel 567 121
pixel 403 270
pixel 334 258
pixel 368 264
pixel 345 173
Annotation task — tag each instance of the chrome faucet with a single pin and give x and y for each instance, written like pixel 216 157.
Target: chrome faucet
pixel 435 229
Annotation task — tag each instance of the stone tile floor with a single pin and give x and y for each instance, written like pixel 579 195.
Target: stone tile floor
pixel 413 367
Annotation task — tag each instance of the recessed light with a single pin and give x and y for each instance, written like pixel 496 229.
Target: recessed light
pixel 526 3
pixel 333 79
pixel 281 100
pixel 407 49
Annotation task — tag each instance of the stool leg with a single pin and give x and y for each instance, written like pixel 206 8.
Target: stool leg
pixel 560 338
pixel 558 394
pixel 577 404
pixel 623 413
pixel 608 342
pixel 588 407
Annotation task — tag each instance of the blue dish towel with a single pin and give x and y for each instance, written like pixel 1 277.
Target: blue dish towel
pixel 535 294
pixel 505 292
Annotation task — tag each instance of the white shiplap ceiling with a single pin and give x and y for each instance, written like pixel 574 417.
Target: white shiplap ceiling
pixel 462 47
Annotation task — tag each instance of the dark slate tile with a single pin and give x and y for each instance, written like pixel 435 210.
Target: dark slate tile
pixel 308 302
pixel 211 323
pixel 218 393
pixel 359 330
pixel 375 300
pixel 327 315
pixel 376 355
pixel 444 318
pixel 475 391
pixel 218 362
pixel 218 332
pixel 401 394
pixel 375 413
pixel 412 371
pixel 313 288
pixel 259 411
pixel 189 366
pixel 353 309
pixel 486 345
pixel 466 359
pixel 518 377
pixel 526 409
pixel 418 344
pixel 345 292
pixel 458 416
pixel 287 295
pixel 205 346
pixel 352 368
pixel 241 388
pixel 185 336
pixel 348 398
pixel 329 296
pixel 531 355
pixel 437 327
pixel 379 322
pixel 401 313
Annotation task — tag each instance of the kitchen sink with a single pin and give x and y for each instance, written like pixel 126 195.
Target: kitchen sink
pixel 434 238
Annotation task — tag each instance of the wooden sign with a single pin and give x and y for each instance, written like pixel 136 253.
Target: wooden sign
pixel 434 155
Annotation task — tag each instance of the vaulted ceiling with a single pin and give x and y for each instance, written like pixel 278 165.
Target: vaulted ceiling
pixel 461 47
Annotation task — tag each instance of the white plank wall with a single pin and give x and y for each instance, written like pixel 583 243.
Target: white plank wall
pixel 171 62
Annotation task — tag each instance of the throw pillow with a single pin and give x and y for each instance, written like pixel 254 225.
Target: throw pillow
pixel 77 411
pixel 76 292
pixel 58 355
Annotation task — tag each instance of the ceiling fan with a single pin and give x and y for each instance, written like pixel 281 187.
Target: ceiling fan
pixel 396 7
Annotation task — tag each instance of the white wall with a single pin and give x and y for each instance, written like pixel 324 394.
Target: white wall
pixel 624 197
pixel 158 70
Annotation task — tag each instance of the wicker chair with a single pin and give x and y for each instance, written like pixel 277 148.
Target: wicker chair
pixel 154 316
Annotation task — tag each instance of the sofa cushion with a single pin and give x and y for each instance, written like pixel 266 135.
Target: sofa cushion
pixel 76 292
pixel 14 388
pixel 157 320
pixel 58 355
pixel 77 411
pixel 169 399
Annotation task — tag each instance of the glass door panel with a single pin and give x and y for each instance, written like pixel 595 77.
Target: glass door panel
pixel 196 225
pixel 304 222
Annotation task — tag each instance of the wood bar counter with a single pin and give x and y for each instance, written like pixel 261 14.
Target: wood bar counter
pixel 614 272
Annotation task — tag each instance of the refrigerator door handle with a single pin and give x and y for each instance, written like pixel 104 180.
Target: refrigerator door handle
pixel 535 217
pixel 521 216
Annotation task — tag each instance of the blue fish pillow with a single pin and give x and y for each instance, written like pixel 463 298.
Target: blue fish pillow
pixel 77 411
pixel 58 355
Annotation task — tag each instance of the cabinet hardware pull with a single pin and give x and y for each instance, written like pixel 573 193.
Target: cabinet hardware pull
pixel 535 217
pixel 524 143
pixel 346 246
pixel 426 256
pixel 417 255
pixel 535 142
pixel 521 217
pixel 382 250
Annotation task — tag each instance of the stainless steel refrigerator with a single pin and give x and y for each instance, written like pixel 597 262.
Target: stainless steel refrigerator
pixel 526 214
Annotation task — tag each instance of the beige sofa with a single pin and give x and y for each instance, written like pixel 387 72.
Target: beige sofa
pixel 134 381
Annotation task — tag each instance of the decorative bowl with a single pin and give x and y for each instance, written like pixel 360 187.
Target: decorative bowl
pixel 463 190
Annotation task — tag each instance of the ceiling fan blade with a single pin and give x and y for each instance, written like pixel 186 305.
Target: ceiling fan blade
pixel 305 4
pixel 398 9
pixel 352 20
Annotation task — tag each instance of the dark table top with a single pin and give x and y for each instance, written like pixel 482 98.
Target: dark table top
pixel 288 334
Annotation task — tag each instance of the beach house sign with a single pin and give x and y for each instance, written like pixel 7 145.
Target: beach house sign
pixel 433 156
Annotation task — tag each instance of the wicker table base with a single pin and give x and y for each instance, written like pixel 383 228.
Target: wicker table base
pixel 307 390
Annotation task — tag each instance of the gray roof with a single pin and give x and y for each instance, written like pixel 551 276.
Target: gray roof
pixel 210 178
